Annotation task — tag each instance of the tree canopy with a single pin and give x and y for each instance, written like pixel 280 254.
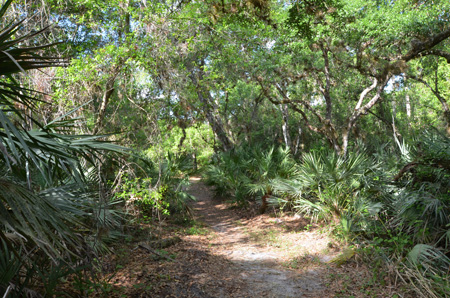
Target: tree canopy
pixel 340 86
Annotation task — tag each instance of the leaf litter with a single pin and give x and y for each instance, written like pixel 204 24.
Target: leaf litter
pixel 240 255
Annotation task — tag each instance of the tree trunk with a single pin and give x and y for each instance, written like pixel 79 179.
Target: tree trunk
pixel 408 106
pixel 361 109
pixel 183 137
pixel 408 109
pixel 109 89
pixel 326 89
pixel 394 115
pixel 214 119
pixel 285 126
pixel 298 142
pixel 264 204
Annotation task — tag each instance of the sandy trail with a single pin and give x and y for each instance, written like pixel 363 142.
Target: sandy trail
pixel 259 266
pixel 239 255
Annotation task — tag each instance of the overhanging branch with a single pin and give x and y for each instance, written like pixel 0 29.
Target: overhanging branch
pixel 418 47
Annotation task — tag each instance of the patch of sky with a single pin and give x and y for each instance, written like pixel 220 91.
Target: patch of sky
pixel 395 83
pixel 270 44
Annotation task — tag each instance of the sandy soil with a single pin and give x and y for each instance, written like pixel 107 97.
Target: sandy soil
pixel 231 253
pixel 260 259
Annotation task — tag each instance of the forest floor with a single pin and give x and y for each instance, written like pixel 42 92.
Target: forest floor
pixel 232 253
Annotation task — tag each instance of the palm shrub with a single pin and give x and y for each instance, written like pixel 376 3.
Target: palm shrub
pixel 335 188
pixel 426 268
pixel 421 202
pixel 46 202
pixel 229 175
pixel 415 231
pixel 248 172
pixel 266 167
pixel 173 181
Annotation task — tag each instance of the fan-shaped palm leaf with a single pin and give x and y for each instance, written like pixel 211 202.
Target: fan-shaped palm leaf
pixel 45 219
pixel 35 218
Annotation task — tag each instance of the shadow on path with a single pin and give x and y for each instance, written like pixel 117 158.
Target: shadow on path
pixel 259 267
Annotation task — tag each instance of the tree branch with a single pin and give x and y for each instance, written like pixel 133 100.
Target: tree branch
pixel 365 92
pixel 439 53
pixel 418 47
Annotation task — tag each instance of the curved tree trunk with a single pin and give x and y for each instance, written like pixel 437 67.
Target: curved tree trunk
pixel 210 110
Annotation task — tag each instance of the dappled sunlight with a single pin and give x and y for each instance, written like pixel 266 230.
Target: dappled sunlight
pixel 268 237
pixel 262 246
pixel 225 255
pixel 197 272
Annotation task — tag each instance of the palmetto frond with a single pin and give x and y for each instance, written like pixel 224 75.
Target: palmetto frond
pixel 46 203
pixel 329 186
pixel 14 57
pixel 269 165
pixel 10 265
pixel 429 259
pixel 35 218
pixel 295 188
pixel 421 202
pixel 49 152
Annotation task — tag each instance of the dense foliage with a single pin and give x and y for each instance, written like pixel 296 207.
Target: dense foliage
pixel 336 109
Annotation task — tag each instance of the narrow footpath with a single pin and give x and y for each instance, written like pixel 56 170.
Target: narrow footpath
pixel 259 261
pixel 231 253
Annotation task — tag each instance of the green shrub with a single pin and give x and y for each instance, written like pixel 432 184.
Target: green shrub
pixel 140 193
pixel 228 174
pixel 166 195
pixel 343 190
pixel 247 172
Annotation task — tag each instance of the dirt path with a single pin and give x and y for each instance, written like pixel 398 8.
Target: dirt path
pixel 224 254
pixel 261 261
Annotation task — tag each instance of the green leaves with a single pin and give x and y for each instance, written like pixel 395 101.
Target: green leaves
pixel 34 218
pixel 306 17
pixel 45 196
pixel 331 187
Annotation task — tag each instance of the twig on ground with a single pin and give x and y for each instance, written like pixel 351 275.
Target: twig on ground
pixel 155 252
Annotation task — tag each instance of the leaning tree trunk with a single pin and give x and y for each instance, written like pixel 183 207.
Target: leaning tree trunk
pixel 109 89
pixel 209 108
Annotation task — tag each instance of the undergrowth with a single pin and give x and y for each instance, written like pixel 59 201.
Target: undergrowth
pixel 391 202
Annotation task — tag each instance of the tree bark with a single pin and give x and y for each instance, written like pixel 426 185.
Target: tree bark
pixel 285 126
pixel 183 137
pixel 109 89
pixel 298 142
pixel 214 119
pixel 394 115
pixel 408 109
pixel 264 204
pixel 423 48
